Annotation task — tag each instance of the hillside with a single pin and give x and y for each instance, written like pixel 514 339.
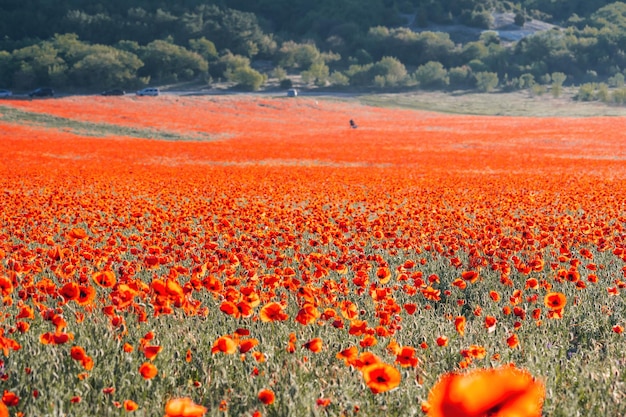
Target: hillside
pixel 385 44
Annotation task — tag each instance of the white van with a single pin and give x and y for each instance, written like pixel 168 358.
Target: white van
pixel 148 92
pixel 292 92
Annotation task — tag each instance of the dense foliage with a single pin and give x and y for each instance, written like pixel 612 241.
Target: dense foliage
pixel 70 44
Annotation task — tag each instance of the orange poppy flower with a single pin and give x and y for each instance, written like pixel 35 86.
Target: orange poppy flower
pixel 381 377
pixel 77 353
pixel 6 286
pixel 10 398
pixel 555 300
pixel 224 344
pixel 230 308
pixel 49 338
pixel 348 355
pixel 307 314
pixel 272 311
pixel 383 274
pixel 105 279
pixel 77 233
pixel 490 323
pixel 459 324
pixel 267 396
pixel 247 344
pixel 406 357
pixel 4 410
pixel 130 405
pixel 365 359
pixel 504 391
pixel 314 345
pixel 151 352
pixel 410 308
pixel 471 276
pixel 70 291
pixel 148 370
pixel 512 341
pixel 183 407
pixel 86 295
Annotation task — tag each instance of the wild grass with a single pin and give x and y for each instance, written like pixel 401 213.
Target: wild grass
pixel 27 118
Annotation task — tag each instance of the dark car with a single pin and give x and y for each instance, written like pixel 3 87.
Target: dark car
pixel 42 92
pixel 114 92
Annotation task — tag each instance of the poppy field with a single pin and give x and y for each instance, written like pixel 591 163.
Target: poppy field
pixel 250 256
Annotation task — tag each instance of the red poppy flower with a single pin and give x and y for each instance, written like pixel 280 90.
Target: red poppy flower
pixel 130 405
pixel 555 300
pixel 314 345
pixel 246 345
pixel 10 399
pixel 272 312
pixel 224 344
pixel 104 279
pixel 151 352
pixel 148 370
pixel 406 357
pixel 267 396
pixel 381 377
pixel 459 324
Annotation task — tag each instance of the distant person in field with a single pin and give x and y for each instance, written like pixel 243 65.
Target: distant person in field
pixel 352 124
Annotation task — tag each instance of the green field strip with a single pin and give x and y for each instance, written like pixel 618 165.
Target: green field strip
pixel 26 118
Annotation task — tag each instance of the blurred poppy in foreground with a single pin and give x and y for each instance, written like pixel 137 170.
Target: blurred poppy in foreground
pixel 501 392
pixel 183 407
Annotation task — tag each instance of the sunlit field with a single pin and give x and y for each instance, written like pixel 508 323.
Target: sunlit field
pixel 189 256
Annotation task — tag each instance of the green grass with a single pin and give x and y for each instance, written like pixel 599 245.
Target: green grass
pixel 578 357
pixel 13 115
pixel 494 104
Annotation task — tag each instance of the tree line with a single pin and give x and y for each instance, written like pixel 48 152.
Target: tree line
pixel 346 43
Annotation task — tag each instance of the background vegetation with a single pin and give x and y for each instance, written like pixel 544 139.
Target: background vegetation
pixel 348 43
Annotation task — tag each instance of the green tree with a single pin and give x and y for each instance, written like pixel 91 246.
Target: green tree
pixel 164 61
pixel 298 55
pixel 38 65
pixel 317 73
pixel 431 75
pixel 204 47
pixel 586 92
pixel 391 71
pixel 486 81
pixel 558 78
pixel 339 79
pixel 106 67
pixel 526 80
pixel 460 77
pixel 617 80
pixel 246 78
pixel 228 63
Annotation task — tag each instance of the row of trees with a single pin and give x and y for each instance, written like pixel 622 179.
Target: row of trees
pixel 208 42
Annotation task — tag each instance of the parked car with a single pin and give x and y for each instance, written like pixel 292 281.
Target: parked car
pixel 5 93
pixel 150 91
pixel 114 92
pixel 42 92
